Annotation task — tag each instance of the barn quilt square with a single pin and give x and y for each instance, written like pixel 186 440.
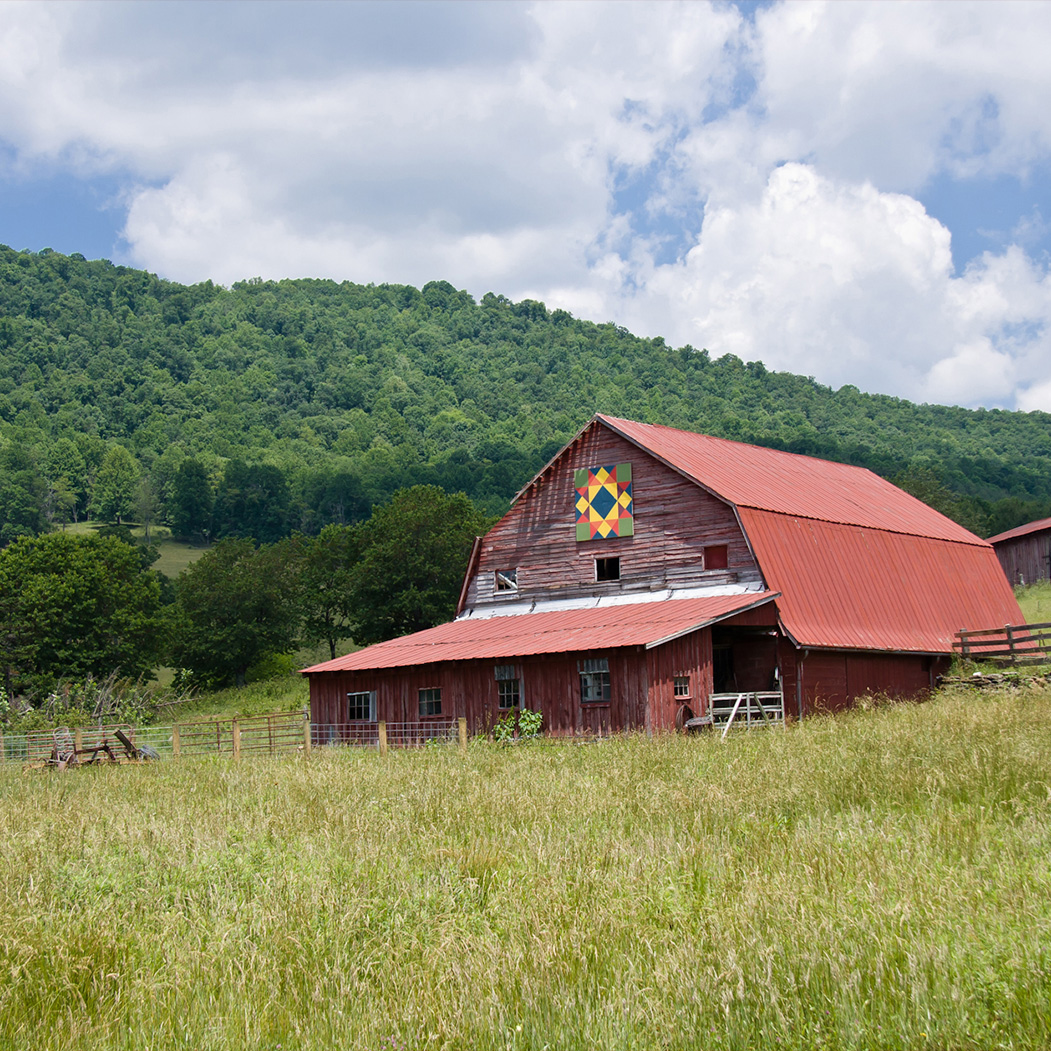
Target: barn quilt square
pixel 603 503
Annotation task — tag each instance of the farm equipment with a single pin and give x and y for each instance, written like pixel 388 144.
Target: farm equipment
pixel 91 748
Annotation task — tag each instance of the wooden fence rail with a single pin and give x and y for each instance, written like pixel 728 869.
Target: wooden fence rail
pixel 1015 644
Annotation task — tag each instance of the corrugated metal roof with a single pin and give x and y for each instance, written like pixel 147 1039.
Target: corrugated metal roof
pixel 772 480
pixel 530 634
pixel 847 587
pixel 1022 530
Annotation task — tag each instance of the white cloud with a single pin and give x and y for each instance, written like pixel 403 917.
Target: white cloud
pixel 677 168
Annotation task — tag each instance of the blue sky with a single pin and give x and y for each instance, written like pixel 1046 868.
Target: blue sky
pixel 860 192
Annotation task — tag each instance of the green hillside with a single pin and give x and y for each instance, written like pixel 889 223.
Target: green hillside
pixel 278 406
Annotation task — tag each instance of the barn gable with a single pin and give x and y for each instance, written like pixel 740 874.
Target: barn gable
pixel 683 539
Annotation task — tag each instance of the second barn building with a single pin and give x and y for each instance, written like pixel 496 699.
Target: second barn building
pixel 646 573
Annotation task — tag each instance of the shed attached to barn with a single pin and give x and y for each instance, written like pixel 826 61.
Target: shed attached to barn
pixel 1025 552
pixel 646 570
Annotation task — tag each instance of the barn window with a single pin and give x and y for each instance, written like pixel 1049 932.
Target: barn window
pixel 607 569
pixel 431 701
pixel 682 686
pixel 594 681
pixel 507 580
pixel 361 707
pixel 509 693
pixel 715 557
pixel 508 686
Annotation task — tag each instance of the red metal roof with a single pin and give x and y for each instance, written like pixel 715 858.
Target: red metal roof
pixel 772 480
pixel 845 587
pixel 1023 530
pixel 565 631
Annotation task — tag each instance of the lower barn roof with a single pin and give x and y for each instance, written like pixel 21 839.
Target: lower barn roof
pixel 566 631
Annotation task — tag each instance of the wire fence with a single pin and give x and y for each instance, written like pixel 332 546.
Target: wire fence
pixel 384 735
pixel 273 734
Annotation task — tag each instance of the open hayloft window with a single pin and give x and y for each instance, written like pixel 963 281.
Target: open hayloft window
pixel 716 557
pixel 594 681
pixel 431 701
pixel 607 569
pixel 507 580
pixel 361 707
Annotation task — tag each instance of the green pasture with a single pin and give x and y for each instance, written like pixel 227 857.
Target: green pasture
pixel 1035 602
pixel 876 880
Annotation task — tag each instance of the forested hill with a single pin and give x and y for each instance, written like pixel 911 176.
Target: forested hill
pixel 278 406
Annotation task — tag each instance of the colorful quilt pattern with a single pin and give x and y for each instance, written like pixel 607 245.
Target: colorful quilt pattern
pixel 604 505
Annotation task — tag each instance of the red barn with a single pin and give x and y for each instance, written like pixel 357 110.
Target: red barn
pixel 646 573
pixel 1025 552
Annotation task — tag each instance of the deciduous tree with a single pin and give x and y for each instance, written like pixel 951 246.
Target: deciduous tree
pixel 71 606
pixel 234 606
pixel 414 553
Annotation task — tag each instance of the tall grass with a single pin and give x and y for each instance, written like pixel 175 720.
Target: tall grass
pixel 879 879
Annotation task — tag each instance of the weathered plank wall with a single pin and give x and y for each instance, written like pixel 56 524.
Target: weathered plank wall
pixel 549 684
pixel 832 680
pixel 674 521
pixel 1025 559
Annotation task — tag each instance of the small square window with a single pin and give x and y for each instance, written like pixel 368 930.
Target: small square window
pixel 507 580
pixel 361 707
pixel 431 701
pixel 682 686
pixel 715 557
pixel 607 569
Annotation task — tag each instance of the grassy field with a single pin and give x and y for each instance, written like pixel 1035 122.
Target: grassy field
pixel 880 879
pixel 1035 601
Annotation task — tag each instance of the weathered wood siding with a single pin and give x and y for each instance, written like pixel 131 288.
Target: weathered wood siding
pixel 690 657
pixel 832 680
pixel 674 521
pixel 549 684
pixel 1025 559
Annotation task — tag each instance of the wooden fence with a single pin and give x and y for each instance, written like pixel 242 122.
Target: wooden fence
pixel 1016 644
pixel 278 733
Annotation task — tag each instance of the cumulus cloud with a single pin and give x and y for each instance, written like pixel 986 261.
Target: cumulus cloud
pixel 750 184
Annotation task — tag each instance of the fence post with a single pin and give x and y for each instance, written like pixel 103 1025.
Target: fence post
pixel 306 733
pixel 78 739
pixel 1 747
pixel 1010 640
pixel 175 740
pixel 461 724
pixel 237 738
pixel 381 726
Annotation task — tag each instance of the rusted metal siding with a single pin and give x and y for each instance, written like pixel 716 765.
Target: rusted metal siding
pixel 851 588
pixel 674 521
pixel 1025 559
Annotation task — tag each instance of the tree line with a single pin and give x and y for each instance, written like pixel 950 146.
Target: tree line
pixel 74 605
pixel 270 408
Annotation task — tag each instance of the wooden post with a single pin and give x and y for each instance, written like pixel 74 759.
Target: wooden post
pixel 78 740
pixel 381 726
pixel 306 733
pixel 1 747
pixel 461 724
pixel 1010 640
pixel 175 741
pixel 237 738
